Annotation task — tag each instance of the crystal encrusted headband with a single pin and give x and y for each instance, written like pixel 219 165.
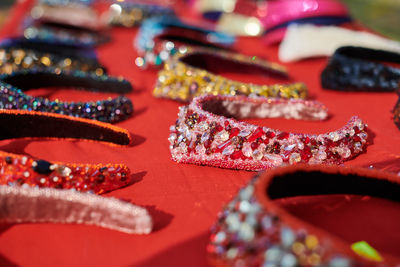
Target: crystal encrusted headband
pixel 357 69
pixel 160 38
pixel 14 59
pixel 23 170
pixel 110 110
pixel 185 77
pixel 47 205
pixel 205 133
pixel 264 224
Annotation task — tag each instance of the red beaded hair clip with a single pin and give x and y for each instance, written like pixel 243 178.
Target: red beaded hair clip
pixel 23 170
pixel 206 134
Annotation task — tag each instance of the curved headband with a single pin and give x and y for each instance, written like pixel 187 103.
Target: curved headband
pixel 207 133
pixel 96 178
pixel 357 69
pixel 110 110
pixel 193 73
pixel 254 228
pixel 46 205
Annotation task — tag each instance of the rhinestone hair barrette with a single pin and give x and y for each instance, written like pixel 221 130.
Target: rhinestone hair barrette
pixel 185 76
pixel 22 170
pixel 111 110
pixel 158 39
pixel 267 223
pixel 48 205
pixel 207 133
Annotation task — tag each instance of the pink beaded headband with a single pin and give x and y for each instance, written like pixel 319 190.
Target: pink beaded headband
pixel 204 135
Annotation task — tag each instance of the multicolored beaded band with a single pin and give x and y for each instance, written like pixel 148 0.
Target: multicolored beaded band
pixel 110 110
pixel 184 78
pixel 23 170
pixel 205 134
pixel 132 14
pixel 254 230
pixel 158 39
pixel 14 59
pixel 46 205
pixel 356 69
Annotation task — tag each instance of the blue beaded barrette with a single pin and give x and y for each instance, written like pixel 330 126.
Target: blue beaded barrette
pixel 13 85
pixel 158 39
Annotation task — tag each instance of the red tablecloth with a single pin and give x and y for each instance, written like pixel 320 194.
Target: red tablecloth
pixel 183 199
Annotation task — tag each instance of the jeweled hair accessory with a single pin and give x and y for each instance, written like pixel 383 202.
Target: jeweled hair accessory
pixel 128 14
pixel 14 58
pixel 185 76
pixel 46 205
pixel 23 170
pixel 260 228
pixel 77 37
pixel 305 41
pixel 111 110
pixel 207 133
pixel 160 38
pixel 357 69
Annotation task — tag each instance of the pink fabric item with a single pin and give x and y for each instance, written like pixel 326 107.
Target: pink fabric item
pixel 42 205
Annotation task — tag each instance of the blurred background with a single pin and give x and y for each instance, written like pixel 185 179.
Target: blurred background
pixel 382 16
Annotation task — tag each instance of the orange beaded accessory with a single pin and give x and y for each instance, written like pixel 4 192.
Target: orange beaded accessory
pixel 23 170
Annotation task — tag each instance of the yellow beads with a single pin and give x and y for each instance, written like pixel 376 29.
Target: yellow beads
pixel 180 81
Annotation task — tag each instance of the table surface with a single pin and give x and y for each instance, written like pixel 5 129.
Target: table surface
pixel 183 199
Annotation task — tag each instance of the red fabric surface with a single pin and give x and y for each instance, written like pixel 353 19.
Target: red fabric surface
pixel 183 199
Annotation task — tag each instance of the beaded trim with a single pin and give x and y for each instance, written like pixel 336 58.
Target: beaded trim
pixel 202 137
pixel 132 14
pixel 181 81
pixel 13 59
pixel 155 51
pixel 64 36
pixel 252 230
pixel 22 170
pixel 43 205
pixel 110 110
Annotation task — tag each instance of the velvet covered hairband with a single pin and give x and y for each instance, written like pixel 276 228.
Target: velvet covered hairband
pixel 272 221
pixel 110 110
pixel 24 170
pixel 207 133
pixel 187 75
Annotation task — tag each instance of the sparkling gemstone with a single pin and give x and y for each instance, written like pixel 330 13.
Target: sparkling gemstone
pixel 222 136
pixel 274 159
pixel 257 154
pixel 205 137
pixel 233 222
pixel 246 232
pixel 232 253
pixel 244 206
pixel 64 171
pixel 236 154
pixel 172 138
pixel 339 262
pixel 294 158
pixel 244 133
pixel 246 193
pixel 289 147
pixel 363 135
pixel 220 237
pixel 42 167
pixel 287 236
pixel 273 254
pixel 228 150
pixel 321 155
pixel 346 153
pixel 334 136
pixel 247 150
pixel 288 260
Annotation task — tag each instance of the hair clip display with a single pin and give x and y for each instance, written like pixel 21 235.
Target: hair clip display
pixel 306 41
pixel 15 59
pixel 77 37
pixel 46 205
pixel 158 39
pixel 128 14
pixel 110 110
pixel 356 69
pixel 205 134
pixel 266 223
pixel 185 76
pixel 20 170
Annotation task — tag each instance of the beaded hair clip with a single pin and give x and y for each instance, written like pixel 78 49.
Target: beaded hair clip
pixel 111 110
pixel 158 39
pixel 357 69
pixel 264 226
pixel 48 205
pixel 185 76
pixel 128 14
pixel 207 133
pixel 21 170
